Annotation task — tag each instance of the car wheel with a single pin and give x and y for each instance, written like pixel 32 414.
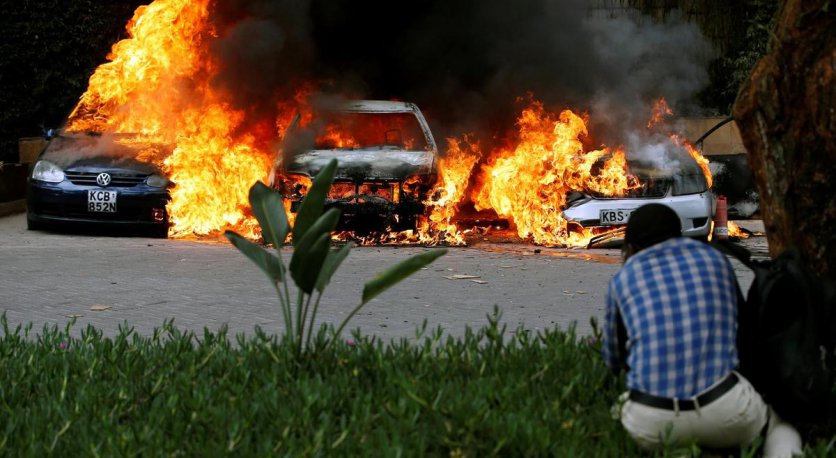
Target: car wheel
pixel 160 232
pixel 33 225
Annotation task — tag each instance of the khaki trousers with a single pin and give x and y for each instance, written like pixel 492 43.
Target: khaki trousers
pixel 733 420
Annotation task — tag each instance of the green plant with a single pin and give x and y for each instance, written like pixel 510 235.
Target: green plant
pixel 313 262
pixel 72 391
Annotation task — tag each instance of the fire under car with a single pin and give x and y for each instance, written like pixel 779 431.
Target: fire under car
pixel 387 161
pixel 683 189
pixel 90 180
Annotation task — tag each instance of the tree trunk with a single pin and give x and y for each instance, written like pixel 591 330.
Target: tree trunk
pixel 786 113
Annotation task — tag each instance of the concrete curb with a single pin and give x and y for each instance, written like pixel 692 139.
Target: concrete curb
pixel 10 208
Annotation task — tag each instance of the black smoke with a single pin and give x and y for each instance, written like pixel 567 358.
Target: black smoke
pixel 464 62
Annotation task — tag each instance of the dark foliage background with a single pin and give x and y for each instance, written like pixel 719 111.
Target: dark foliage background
pixel 51 47
pixel 48 51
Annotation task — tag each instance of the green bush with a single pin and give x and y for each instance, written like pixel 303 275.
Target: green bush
pixel 173 393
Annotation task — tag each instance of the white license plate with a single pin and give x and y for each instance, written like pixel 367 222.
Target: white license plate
pixel 610 217
pixel 101 201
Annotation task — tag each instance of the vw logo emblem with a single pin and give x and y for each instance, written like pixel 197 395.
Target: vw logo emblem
pixel 103 179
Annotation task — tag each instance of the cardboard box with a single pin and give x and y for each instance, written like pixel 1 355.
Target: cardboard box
pixel 724 141
pixel 30 148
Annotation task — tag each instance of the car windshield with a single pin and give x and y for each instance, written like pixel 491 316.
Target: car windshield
pixel 680 174
pixel 650 186
pixel 371 130
pixel 116 150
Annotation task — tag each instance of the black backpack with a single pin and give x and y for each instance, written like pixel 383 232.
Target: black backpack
pixel 787 336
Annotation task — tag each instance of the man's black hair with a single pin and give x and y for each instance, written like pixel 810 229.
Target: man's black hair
pixel 651 224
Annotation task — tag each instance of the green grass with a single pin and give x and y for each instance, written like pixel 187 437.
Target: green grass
pixel 175 394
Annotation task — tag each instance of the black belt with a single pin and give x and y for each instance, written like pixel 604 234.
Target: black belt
pixel 686 404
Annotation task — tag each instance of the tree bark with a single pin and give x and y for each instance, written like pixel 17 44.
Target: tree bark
pixel 786 113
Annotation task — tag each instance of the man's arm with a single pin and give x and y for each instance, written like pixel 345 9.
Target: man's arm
pixel 613 349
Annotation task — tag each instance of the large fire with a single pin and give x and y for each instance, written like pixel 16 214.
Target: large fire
pixel 528 182
pixel 455 170
pixel 157 85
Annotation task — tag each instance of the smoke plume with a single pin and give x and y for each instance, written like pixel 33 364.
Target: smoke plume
pixel 464 62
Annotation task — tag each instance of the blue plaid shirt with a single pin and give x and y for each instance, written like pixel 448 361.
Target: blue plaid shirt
pixel 678 303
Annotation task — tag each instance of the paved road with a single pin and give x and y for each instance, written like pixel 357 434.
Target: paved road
pixel 48 278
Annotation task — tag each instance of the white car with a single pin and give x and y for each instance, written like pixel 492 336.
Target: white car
pixel 685 190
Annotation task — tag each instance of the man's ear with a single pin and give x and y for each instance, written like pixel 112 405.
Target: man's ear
pixel 629 250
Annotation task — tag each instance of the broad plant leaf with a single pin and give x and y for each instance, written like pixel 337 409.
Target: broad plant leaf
pixel 268 208
pixel 265 260
pixel 398 272
pixel 331 264
pixel 307 270
pixel 324 225
pixel 305 258
pixel 314 201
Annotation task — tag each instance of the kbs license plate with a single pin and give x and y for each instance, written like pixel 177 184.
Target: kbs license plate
pixel 614 217
pixel 101 201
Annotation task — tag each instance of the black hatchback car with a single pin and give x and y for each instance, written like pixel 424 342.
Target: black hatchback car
pixel 100 180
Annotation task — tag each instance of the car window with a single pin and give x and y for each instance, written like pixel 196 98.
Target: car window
pixel 690 179
pixel 370 130
pixel 677 172
pixel 650 186
pixel 691 183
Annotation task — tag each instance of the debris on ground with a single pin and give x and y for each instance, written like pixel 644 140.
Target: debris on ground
pixel 99 307
pixel 461 277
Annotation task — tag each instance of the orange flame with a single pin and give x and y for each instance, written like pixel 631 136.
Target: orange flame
pixel 156 84
pixel 661 110
pixel 736 231
pixel 702 161
pixel 528 183
pixel 155 64
pixel 454 172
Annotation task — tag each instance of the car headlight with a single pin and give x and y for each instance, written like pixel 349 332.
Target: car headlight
pixel 47 171
pixel 156 181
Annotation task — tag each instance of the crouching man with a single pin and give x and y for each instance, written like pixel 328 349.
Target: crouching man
pixel 671 324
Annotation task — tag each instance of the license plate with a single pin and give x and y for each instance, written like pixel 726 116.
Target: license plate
pixel 101 201
pixel 614 217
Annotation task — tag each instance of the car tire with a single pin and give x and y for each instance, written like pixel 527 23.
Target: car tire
pixel 160 232
pixel 33 225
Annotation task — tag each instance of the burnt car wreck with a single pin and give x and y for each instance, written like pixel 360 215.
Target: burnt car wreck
pixel 387 161
pixel 678 183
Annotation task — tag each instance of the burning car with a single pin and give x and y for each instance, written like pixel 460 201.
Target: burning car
pixel 92 179
pixel 684 188
pixel 387 161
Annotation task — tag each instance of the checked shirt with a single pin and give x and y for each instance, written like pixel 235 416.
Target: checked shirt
pixel 678 303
